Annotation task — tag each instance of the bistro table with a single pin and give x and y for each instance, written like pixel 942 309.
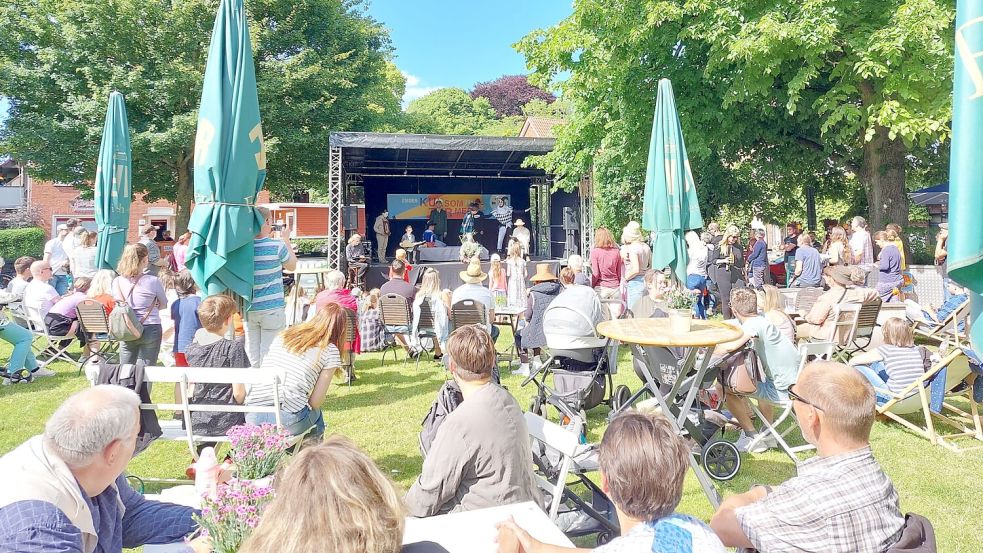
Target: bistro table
pixel 475 532
pixel 641 335
pixel 513 315
pixel 293 298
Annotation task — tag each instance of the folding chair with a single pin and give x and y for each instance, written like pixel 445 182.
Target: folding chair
pixel 846 317
pixel 395 312
pixel 468 312
pixel 425 328
pixel 348 355
pixel 53 343
pixel 806 298
pixel 94 324
pixel 917 397
pixel 559 455
pixel 942 331
pixel 866 323
pixel 808 352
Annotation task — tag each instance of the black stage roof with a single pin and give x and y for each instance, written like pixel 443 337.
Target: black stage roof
pixel 381 154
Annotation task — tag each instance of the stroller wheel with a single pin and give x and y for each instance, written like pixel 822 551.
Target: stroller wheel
pixel 536 406
pixel 721 459
pixel 603 538
pixel 620 397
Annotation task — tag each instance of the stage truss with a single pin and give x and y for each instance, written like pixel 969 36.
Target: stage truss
pixel 586 215
pixel 336 199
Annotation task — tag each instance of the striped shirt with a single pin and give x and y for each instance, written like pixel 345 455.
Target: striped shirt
pixel 268 259
pixel 298 373
pixel 903 366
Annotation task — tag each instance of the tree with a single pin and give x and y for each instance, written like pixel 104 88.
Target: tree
pixel 321 65
pixel 832 90
pixel 449 111
pixel 508 93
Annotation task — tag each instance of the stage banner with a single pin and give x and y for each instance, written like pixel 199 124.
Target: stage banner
pixel 418 206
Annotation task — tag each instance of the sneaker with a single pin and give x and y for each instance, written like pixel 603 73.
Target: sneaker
pixel 769 440
pixel 743 443
pixel 6 382
pixel 41 371
pixel 537 364
pixel 523 370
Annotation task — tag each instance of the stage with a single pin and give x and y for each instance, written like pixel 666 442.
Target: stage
pixel 450 278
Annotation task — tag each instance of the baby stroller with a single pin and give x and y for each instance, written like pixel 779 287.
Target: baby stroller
pixel 579 360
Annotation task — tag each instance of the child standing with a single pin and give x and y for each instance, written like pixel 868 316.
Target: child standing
pixel 209 347
pixel 184 313
pixel 497 283
pixel 516 269
pixel 401 255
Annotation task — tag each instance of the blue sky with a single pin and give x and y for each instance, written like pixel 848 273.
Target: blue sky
pixel 459 43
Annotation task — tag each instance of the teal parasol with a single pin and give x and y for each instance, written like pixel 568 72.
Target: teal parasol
pixel 113 187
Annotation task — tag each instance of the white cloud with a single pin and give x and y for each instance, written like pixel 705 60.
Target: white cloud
pixel 414 89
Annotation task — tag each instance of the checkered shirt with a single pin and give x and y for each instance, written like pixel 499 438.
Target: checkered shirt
pixel 371 329
pixel 467 224
pixel 839 504
pixel 504 215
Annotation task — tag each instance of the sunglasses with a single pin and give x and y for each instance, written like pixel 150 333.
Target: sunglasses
pixel 797 397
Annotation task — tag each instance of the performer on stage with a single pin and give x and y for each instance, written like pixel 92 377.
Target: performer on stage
pixel 503 213
pixel 467 225
pixel 355 254
pixel 408 236
pixel 438 219
pixel 521 233
pixel 382 232
pixel 410 244
pixel 430 236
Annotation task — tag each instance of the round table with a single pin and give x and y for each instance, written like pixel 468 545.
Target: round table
pixel 645 334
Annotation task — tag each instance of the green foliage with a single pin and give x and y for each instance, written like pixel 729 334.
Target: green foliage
pixel 921 245
pixel 451 111
pixel 310 246
pixel 772 95
pixel 321 65
pixel 18 242
pixel 680 298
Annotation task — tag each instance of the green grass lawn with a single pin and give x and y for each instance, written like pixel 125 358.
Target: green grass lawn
pixel 383 409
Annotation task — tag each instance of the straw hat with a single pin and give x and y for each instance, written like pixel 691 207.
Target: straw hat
pixel 632 232
pixel 474 274
pixel 543 273
pixel 841 275
pixel 519 223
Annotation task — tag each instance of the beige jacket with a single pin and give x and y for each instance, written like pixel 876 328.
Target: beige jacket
pixel 820 316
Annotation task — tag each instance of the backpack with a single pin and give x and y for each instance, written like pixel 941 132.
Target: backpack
pixel 448 399
pixel 124 324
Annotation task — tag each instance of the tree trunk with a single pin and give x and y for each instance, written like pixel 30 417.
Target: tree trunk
pixel 185 195
pixel 883 176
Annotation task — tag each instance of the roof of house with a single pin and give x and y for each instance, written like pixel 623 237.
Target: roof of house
pixel 539 127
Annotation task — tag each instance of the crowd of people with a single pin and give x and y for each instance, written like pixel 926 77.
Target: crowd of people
pixel 481 455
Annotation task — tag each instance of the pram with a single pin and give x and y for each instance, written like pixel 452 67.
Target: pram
pixel 579 361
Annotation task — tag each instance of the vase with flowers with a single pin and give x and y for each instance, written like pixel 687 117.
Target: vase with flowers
pixel 228 516
pixel 257 450
pixel 680 302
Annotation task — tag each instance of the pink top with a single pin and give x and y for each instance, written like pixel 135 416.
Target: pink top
pixel 66 306
pixel 606 267
pixel 180 252
pixel 498 283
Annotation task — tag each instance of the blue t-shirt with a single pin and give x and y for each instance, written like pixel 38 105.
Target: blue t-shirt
pixel 268 258
pixel 184 313
pixel 812 266
pixel 672 534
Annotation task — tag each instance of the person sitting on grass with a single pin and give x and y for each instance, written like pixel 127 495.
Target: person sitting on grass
pixel 840 501
pixel 895 365
pixel 779 359
pixel 480 456
pixel 209 347
pixel 352 508
pixel 65 490
pixel 643 463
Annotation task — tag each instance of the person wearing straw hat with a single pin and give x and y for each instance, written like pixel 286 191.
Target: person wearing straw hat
pixel 472 289
pixel 546 287
pixel 818 324
pixel 521 233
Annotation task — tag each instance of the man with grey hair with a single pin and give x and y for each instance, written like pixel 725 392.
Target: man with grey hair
pixel 66 492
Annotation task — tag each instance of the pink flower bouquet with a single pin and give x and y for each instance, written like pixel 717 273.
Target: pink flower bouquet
pixel 234 511
pixel 257 450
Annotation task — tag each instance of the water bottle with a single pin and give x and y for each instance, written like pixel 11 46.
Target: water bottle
pixel 206 472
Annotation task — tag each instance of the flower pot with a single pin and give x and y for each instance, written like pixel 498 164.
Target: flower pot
pixel 680 320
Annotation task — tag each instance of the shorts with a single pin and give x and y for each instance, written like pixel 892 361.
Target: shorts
pixel 393 329
pixel 768 392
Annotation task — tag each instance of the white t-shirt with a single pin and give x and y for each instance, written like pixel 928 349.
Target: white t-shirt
pixel 59 259
pixel 860 242
pixel 40 295
pixel 298 374
pixel 69 244
pixel 697 264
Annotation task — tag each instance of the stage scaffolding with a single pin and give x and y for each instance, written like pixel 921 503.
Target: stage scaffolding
pixel 586 190
pixel 336 199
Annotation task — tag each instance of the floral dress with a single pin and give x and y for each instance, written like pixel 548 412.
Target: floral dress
pixel 516 292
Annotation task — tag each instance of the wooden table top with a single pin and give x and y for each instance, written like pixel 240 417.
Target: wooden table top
pixel 655 332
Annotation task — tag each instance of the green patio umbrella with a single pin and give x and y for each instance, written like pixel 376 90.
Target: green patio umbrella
pixel 230 161
pixel 113 186
pixel 670 207
pixel 965 246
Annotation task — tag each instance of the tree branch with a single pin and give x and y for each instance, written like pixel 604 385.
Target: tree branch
pixel 838 158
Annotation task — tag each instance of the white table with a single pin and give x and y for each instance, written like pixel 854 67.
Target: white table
pixel 180 495
pixel 475 532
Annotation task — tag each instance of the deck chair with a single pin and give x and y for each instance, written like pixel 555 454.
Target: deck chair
pixel 808 352
pixel 846 317
pixel 53 344
pixel 94 323
pixel 395 312
pixel 866 323
pixel 806 298
pixel 917 397
pixel 348 354
pixel 946 329
pixel 559 456
pixel 425 329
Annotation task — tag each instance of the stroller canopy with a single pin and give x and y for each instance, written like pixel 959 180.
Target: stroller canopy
pixel 571 319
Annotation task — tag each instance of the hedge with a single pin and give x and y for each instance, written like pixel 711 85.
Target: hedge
pixel 309 246
pixel 18 242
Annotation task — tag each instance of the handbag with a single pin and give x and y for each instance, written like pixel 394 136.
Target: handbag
pixel 124 325
pixel 742 372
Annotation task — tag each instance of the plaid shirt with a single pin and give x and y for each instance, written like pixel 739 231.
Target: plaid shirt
pixel 372 331
pixel 467 225
pixel 504 215
pixel 843 503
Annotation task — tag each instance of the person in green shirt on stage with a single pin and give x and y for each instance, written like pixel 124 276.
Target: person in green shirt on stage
pixel 438 218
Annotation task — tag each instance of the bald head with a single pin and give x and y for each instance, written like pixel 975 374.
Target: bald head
pixel 88 421
pixel 38 269
pixel 846 399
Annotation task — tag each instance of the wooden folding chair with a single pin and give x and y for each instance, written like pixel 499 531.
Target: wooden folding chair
pixel 468 312
pixel 94 323
pixel 348 354
pixel 917 397
pixel 806 298
pixel 395 312
pixel 866 323
pixel 948 328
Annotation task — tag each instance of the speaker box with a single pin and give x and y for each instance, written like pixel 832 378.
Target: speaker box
pixel 349 217
pixel 570 221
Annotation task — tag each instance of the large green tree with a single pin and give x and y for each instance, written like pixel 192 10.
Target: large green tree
pixel 773 95
pixel 449 111
pixel 321 65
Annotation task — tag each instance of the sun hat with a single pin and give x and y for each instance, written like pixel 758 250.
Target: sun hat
pixel 519 223
pixel 474 274
pixel 632 232
pixel 543 273
pixel 841 275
